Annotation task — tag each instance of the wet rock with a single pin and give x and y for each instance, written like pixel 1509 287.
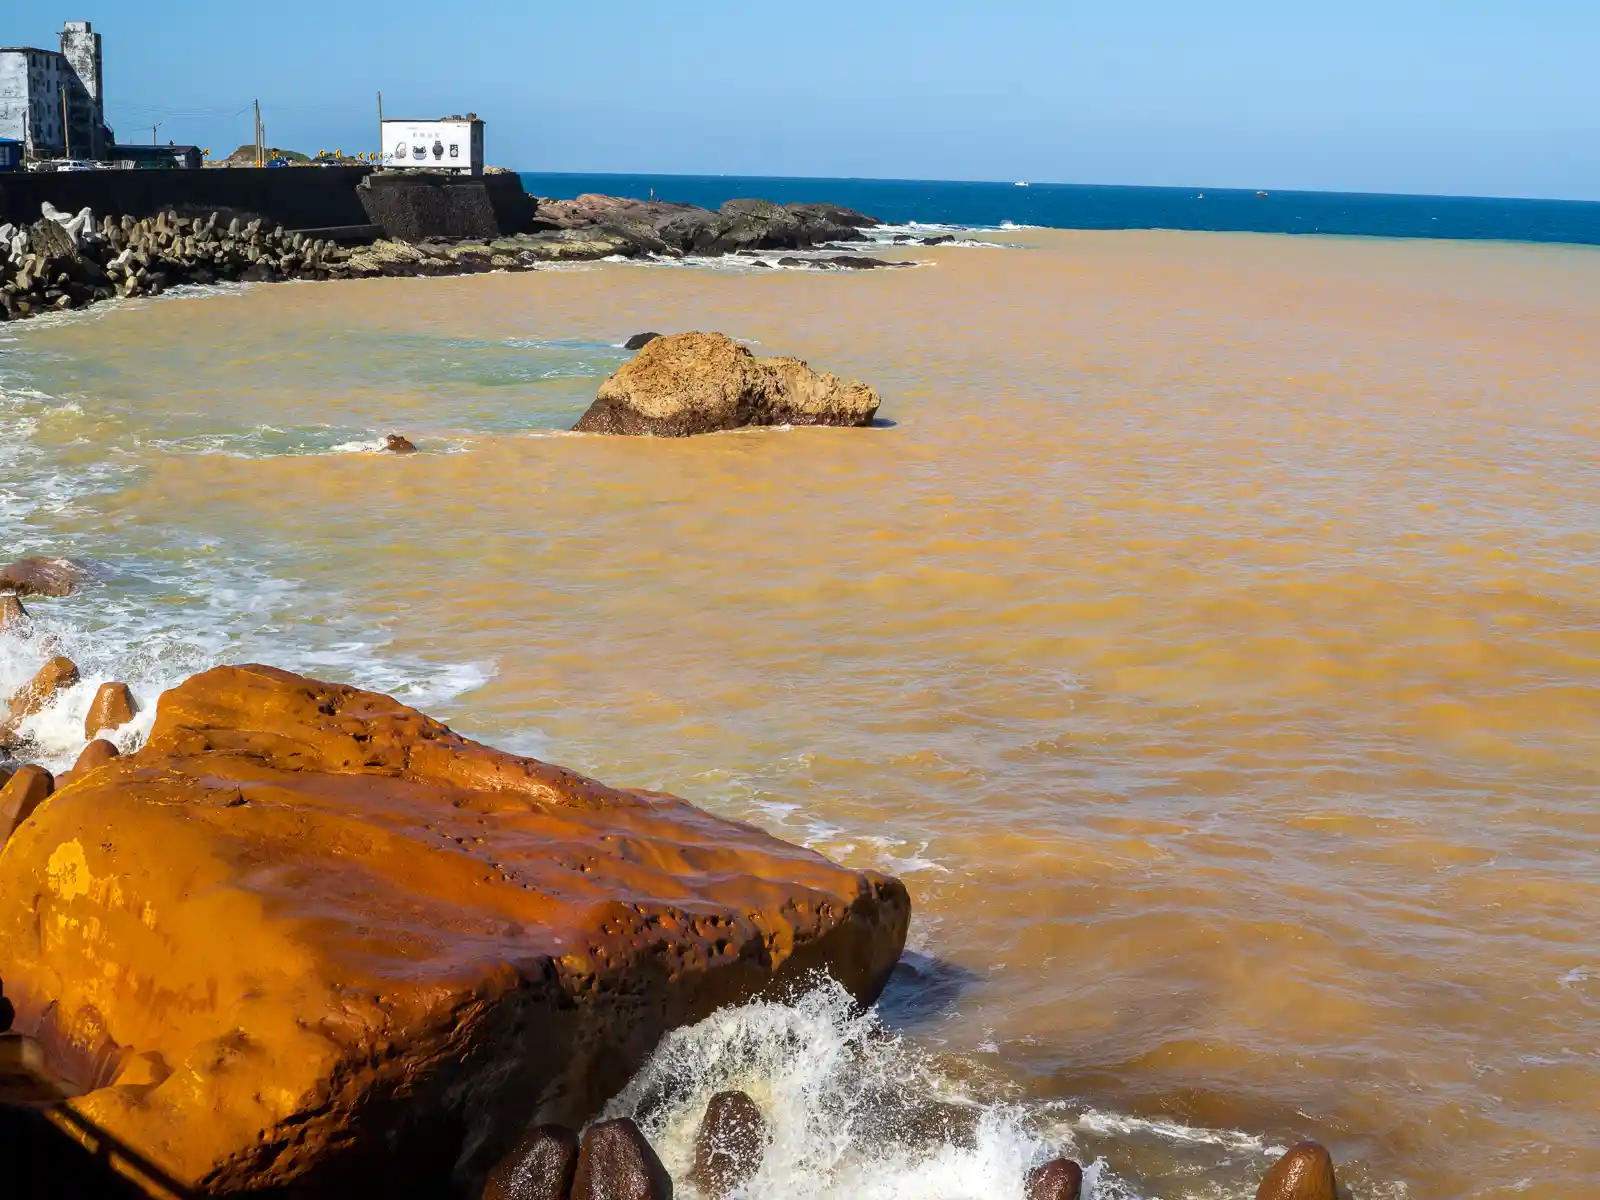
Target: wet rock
pixel 944 239
pixel 398 444
pixel 730 1145
pixel 42 576
pixel 60 672
pixel 112 708
pixel 692 383
pixel 96 754
pixel 1305 1172
pixel 860 262
pixel 11 612
pixel 639 341
pixel 1058 1179
pixel 540 1167
pixel 488 935
pixel 617 1163
pixel 30 787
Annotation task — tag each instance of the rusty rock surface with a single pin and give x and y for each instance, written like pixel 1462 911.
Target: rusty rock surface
pixel 690 383
pixel 309 939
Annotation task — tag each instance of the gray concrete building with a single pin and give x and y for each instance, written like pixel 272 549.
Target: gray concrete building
pixel 54 101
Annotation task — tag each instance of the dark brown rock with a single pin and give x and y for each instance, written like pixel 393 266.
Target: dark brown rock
pixel 540 1167
pixel 691 383
pixel 639 341
pixel 25 791
pixel 42 577
pixel 730 1145
pixel 1058 1179
pixel 60 672
pixel 1305 1172
pixel 11 612
pixel 112 708
pixel 398 444
pixel 618 1163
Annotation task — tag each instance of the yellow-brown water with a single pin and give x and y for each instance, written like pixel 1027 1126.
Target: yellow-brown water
pixel 1212 639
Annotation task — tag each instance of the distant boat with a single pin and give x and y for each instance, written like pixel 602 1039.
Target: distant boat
pixel 1261 193
pixel 1022 183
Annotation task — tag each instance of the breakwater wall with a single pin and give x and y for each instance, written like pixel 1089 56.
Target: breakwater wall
pixel 298 198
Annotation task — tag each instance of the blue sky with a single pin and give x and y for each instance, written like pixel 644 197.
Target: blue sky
pixel 1487 97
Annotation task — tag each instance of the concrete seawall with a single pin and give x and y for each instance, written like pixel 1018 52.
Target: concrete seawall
pixel 405 206
pixel 295 197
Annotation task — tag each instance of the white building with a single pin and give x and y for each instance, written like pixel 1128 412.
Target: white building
pixel 52 101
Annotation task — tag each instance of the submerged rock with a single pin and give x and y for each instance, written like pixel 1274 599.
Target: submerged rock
pixel 391 947
pixel 42 576
pixel 692 383
pixel 113 707
pixel 30 787
pixel 730 1145
pixel 398 444
pixel 11 612
pixel 1305 1172
pixel 540 1167
pixel 639 341
pixel 618 1163
pixel 1058 1179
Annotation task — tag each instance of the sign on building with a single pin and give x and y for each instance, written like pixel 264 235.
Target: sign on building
pixel 450 144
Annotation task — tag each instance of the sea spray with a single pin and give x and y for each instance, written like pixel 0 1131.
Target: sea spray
pixel 822 1071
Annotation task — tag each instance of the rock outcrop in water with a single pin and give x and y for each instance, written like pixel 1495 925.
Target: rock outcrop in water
pixel 113 706
pixel 688 229
pixel 309 939
pixel 692 383
pixel 42 577
pixel 1304 1173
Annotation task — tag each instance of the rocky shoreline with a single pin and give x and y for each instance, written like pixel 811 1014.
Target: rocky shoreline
pixel 64 261
pixel 305 935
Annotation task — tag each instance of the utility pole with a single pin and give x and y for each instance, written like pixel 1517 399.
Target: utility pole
pixel 380 127
pixel 258 134
pixel 66 130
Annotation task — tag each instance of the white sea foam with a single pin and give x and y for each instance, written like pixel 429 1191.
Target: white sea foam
pixel 836 1087
pixel 825 1077
pixel 1237 1141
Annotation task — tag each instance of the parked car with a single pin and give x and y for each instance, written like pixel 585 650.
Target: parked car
pixel 65 164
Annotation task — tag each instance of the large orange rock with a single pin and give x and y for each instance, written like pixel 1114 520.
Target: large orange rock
pixel 309 939
pixel 691 383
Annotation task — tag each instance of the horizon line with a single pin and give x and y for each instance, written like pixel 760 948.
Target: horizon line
pixel 1139 187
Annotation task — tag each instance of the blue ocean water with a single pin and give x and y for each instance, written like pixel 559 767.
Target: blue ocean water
pixel 1078 206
